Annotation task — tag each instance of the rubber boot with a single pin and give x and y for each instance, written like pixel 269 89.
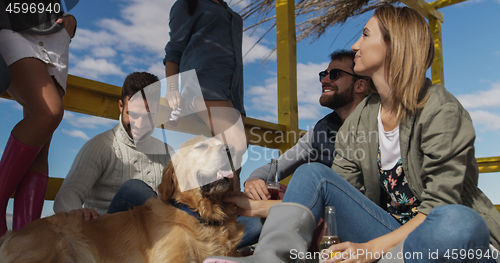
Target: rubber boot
pixel 16 159
pixel 29 199
pixel 288 231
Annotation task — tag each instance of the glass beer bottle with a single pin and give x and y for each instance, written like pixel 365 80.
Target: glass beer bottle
pixel 329 234
pixel 272 183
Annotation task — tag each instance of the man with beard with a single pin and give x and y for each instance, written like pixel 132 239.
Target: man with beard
pixel 127 152
pixel 342 91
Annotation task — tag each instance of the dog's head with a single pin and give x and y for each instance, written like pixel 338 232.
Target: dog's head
pixel 201 168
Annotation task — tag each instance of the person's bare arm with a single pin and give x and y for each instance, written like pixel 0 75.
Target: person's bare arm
pixel 249 207
pixel 173 96
pixel 377 246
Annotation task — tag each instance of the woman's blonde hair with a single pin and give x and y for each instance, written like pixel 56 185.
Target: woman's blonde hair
pixel 410 52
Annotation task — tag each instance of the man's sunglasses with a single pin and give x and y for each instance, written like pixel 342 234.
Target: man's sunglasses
pixel 334 73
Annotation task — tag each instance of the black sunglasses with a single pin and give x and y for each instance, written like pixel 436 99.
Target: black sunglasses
pixel 334 73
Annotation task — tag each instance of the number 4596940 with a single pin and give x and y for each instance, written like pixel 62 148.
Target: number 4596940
pixel 33 8
pixel 470 254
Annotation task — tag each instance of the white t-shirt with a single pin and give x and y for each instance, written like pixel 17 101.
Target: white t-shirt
pixel 390 151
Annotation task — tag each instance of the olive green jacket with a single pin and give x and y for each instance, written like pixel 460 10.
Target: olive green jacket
pixel 437 152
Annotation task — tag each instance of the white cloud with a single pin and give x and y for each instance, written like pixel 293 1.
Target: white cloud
pixel 489 120
pixel 94 68
pixel 309 112
pixel 137 39
pixel 264 98
pixel 85 39
pixel 484 99
pixel 90 122
pixel 255 53
pixel 103 52
pixel 482 107
pixel 76 134
pixel 157 69
pixel 308 85
pixel 134 29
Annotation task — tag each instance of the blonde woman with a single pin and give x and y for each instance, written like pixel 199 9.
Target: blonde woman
pixel 409 148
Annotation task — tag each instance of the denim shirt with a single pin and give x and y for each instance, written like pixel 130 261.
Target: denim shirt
pixel 209 41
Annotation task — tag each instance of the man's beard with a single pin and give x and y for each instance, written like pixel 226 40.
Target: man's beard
pixel 128 129
pixel 337 99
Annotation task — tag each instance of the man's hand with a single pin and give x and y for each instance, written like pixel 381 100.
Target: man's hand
pixel 86 214
pixel 256 189
pixel 249 207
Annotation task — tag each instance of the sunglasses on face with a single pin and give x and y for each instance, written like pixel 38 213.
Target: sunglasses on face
pixel 334 73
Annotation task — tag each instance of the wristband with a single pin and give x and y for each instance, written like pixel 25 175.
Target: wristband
pixel 172 86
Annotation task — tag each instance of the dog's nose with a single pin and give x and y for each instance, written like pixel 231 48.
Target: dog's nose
pixel 226 148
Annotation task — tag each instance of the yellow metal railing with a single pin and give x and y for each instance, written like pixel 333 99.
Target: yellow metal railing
pixel 101 99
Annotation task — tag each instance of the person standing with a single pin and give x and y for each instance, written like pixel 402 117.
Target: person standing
pixel 35 46
pixel 206 36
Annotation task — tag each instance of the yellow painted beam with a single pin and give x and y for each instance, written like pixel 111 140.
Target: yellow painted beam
pixel 90 97
pixel 287 66
pixel 287 71
pixel 424 9
pixel 489 165
pixel 444 3
pixel 437 67
pixel 53 186
pixel 101 99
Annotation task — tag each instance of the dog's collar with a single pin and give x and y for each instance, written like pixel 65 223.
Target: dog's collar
pixel 194 214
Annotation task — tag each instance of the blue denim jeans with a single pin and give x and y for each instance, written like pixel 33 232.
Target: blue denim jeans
pixel 135 192
pixel 447 232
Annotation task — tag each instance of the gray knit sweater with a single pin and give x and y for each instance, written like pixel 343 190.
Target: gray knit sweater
pixel 104 163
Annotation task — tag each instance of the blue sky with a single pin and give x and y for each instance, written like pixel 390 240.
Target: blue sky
pixel 117 37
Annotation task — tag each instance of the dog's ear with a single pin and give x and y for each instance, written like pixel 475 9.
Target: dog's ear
pixel 169 183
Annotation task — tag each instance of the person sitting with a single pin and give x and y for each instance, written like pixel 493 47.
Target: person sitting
pixel 418 169
pixel 342 91
pixel 128 151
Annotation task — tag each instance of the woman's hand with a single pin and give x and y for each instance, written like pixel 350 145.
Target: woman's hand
pixel 69 24
pixel 353 252
pixel 174 98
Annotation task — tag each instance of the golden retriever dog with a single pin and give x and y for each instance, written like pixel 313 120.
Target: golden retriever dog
pixel 158 231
